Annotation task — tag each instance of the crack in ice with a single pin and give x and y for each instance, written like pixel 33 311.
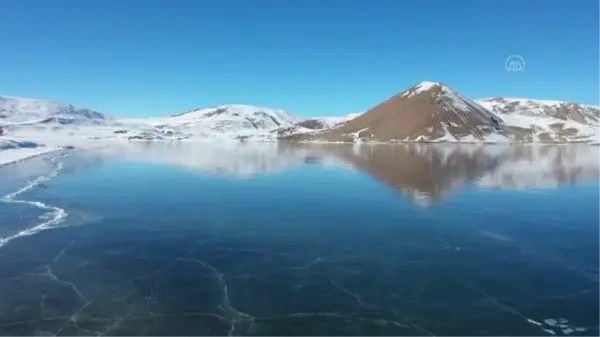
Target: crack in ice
pixel 73 317
pixel 236 315
pixel 237 322
pixel 50 274
pixel 509 309
pixel 55 215
pixel 349 293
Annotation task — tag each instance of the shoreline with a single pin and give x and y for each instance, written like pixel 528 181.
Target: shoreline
pixel 19 155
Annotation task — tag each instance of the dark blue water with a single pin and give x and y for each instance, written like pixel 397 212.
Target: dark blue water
pixel 303 240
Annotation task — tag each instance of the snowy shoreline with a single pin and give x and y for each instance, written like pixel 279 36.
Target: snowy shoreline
pixel 14 156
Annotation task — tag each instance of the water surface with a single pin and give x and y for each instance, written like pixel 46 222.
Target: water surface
pixel 268 239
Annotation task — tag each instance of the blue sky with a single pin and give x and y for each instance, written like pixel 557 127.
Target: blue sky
pixel 312 57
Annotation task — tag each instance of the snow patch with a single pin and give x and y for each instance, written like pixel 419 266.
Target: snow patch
pixel 428 85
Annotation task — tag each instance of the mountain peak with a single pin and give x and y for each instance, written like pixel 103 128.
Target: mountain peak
pixel 435 88
pixel 19 109
pixel 428 85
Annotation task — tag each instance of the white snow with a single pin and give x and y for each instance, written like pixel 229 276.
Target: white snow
pixel 539 108
pixel 17 155
pixel 356 135
pixel 462 107
pixel 325 124
pixel 543 125
pixel 529 102
pixel 353 115
pixel 447 137
pixel 229 120
pixel 496 138
pixel 47 120
pixel 428 85
pixel 230 123
pixel 12 151
pixel 331 122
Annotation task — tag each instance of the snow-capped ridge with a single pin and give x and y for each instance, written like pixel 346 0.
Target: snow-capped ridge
pixel 582 113
pixel 15 110
pixel 235 110
pixel 230 121
pixel 548 102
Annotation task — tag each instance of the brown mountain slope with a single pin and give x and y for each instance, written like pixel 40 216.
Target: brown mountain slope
pixel 426 112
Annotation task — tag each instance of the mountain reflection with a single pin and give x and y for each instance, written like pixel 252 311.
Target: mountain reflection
pixel 423 173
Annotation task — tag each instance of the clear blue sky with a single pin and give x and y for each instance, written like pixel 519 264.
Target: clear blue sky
pixel 312 57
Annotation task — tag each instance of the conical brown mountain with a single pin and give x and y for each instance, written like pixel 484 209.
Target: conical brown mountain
pixel 426 112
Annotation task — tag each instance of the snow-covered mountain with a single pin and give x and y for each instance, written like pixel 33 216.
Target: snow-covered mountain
pixel 227 121
pixel 59 124
pixel 25 117
pixel 18 110
pixel 532 120
pixel 567 111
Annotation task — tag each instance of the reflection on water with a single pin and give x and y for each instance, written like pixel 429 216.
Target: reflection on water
pixel 423 173
pixel 304 239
